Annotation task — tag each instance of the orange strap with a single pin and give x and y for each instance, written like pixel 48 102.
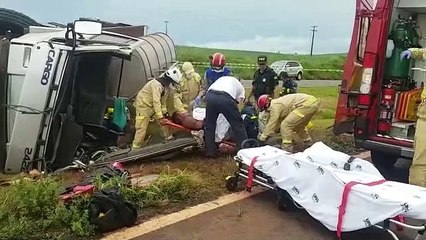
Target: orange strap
pixel 250 174
pixel 345 197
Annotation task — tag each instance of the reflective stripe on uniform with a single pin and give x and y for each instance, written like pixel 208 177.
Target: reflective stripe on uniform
pixel 298 113
pixel 423 96
pixel 311 100
pixel 285 141
pixel 310 125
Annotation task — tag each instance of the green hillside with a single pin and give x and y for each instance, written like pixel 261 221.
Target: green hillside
pixel 326 61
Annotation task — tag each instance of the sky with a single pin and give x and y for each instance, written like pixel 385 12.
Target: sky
pixel 269 25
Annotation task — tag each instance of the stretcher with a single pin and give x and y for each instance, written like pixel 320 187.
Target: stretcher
pixel 344 193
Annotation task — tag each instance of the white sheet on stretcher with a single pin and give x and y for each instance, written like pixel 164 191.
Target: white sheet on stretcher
pixel 315 179
pixel 222 125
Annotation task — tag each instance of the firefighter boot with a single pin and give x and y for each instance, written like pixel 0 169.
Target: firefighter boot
pixel 287 147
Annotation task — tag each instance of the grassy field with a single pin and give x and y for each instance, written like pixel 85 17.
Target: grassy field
pixel 328 61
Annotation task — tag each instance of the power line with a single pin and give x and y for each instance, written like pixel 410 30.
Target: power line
pixel 313 30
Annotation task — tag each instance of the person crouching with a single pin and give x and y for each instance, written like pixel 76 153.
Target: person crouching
pixel 223 97
pixel 290 114
pixel 151 103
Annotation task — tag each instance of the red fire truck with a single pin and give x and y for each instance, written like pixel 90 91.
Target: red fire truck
pixel 379 93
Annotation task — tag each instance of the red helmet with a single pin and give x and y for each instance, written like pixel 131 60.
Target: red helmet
pixel 263 102
pixel 218 61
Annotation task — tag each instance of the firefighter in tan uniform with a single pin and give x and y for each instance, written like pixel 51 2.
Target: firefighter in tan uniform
pixel 418 167
pixel 191 85
pixel 290 114
pixel 151 102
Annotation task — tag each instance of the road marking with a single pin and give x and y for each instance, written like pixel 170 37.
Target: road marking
pixel 166 220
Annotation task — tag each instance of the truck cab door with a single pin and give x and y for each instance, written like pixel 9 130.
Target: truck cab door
pixel 353 72
pixel 4 55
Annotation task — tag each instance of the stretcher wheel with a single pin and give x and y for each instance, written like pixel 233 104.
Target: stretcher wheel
pixel 231 183
pixel 250 143
pixel 285 202
pixel 282 204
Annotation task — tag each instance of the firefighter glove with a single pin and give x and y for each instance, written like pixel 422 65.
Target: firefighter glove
pixel 406 54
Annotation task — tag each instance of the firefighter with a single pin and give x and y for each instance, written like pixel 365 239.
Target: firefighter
pixel 191 85
pixel 289 85
pixel 418 167
pixel 264 80
pixel 223 97
pixel 290 114
pixel 151 103
pixel 216 70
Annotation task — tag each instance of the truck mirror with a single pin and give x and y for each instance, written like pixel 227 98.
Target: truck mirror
pixel 88 27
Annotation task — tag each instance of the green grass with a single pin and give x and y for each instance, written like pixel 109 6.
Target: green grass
pixel 328 98
pixel 32 210
pixel 327 61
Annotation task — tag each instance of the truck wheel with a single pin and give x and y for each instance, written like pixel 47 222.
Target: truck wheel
pixel 299 76
pixel 382 159
pixel 385 164
pixel 231 183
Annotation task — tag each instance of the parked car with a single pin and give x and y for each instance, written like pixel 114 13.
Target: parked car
pixel 292 69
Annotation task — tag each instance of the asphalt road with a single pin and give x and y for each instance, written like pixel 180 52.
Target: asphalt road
pixel 256 218
pixel 306 83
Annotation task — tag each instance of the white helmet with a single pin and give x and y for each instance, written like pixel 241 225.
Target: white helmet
pixel 175 74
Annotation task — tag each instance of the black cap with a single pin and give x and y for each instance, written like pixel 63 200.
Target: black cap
pixel 262 59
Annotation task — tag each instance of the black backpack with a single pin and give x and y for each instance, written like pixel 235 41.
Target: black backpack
pixel 109 210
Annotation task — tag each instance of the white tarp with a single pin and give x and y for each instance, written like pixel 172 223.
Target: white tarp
pixel 315 179
pixel 222 125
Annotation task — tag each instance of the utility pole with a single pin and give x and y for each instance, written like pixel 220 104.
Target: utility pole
pixel 166 22
pixel 313 30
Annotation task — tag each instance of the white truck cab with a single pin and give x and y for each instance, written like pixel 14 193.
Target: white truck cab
pixel 55 81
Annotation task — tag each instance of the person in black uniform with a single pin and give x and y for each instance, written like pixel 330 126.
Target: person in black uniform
pixel 265 79
pixel 289 85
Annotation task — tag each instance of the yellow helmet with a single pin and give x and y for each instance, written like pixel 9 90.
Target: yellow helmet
pixel 187 68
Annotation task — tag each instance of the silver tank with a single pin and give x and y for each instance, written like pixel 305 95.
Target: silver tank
pixel 155 53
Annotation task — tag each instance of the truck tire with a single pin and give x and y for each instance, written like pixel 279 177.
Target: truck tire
pixel 384 162
pixel 383 159
pixel 15 21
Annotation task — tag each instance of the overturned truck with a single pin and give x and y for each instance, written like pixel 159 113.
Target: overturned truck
pixel 56 85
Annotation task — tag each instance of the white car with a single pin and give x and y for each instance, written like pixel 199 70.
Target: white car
pixel 293 69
